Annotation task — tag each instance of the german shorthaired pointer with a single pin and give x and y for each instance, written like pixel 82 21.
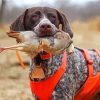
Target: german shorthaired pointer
pixel 44 21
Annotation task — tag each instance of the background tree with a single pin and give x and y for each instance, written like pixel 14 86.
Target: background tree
pixel 2 8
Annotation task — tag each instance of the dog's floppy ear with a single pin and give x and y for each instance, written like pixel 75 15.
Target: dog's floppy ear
pixel 65 24
pixel 19 23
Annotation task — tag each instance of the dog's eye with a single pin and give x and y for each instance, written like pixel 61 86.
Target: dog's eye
pixel 35 17
pixel 52 17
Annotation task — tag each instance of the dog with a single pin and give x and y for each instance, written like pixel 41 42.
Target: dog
pixel 44 21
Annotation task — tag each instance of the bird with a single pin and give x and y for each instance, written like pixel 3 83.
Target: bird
pixel 30 43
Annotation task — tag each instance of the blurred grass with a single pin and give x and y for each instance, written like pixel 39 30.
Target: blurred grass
pixel 87 34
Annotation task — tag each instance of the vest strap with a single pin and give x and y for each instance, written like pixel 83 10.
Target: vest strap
pixel 97 51
pixel 89 61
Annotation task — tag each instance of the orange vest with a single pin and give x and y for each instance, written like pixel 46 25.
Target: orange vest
pixel 44 89
pixel 92 84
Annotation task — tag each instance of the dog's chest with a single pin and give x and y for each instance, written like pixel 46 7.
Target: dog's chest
pixel 66 87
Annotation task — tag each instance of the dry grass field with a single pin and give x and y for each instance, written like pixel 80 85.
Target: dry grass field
pixel 87 34
pixel 14 81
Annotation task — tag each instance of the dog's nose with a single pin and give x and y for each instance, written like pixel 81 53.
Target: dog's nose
pixel 45 30
pixel 45 27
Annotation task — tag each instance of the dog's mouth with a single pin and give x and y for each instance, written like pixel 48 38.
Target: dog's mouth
pixel 46 33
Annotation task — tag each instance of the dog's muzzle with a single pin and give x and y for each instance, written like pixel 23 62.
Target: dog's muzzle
pixel 45 28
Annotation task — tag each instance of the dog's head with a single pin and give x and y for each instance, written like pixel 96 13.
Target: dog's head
pixel 43 20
